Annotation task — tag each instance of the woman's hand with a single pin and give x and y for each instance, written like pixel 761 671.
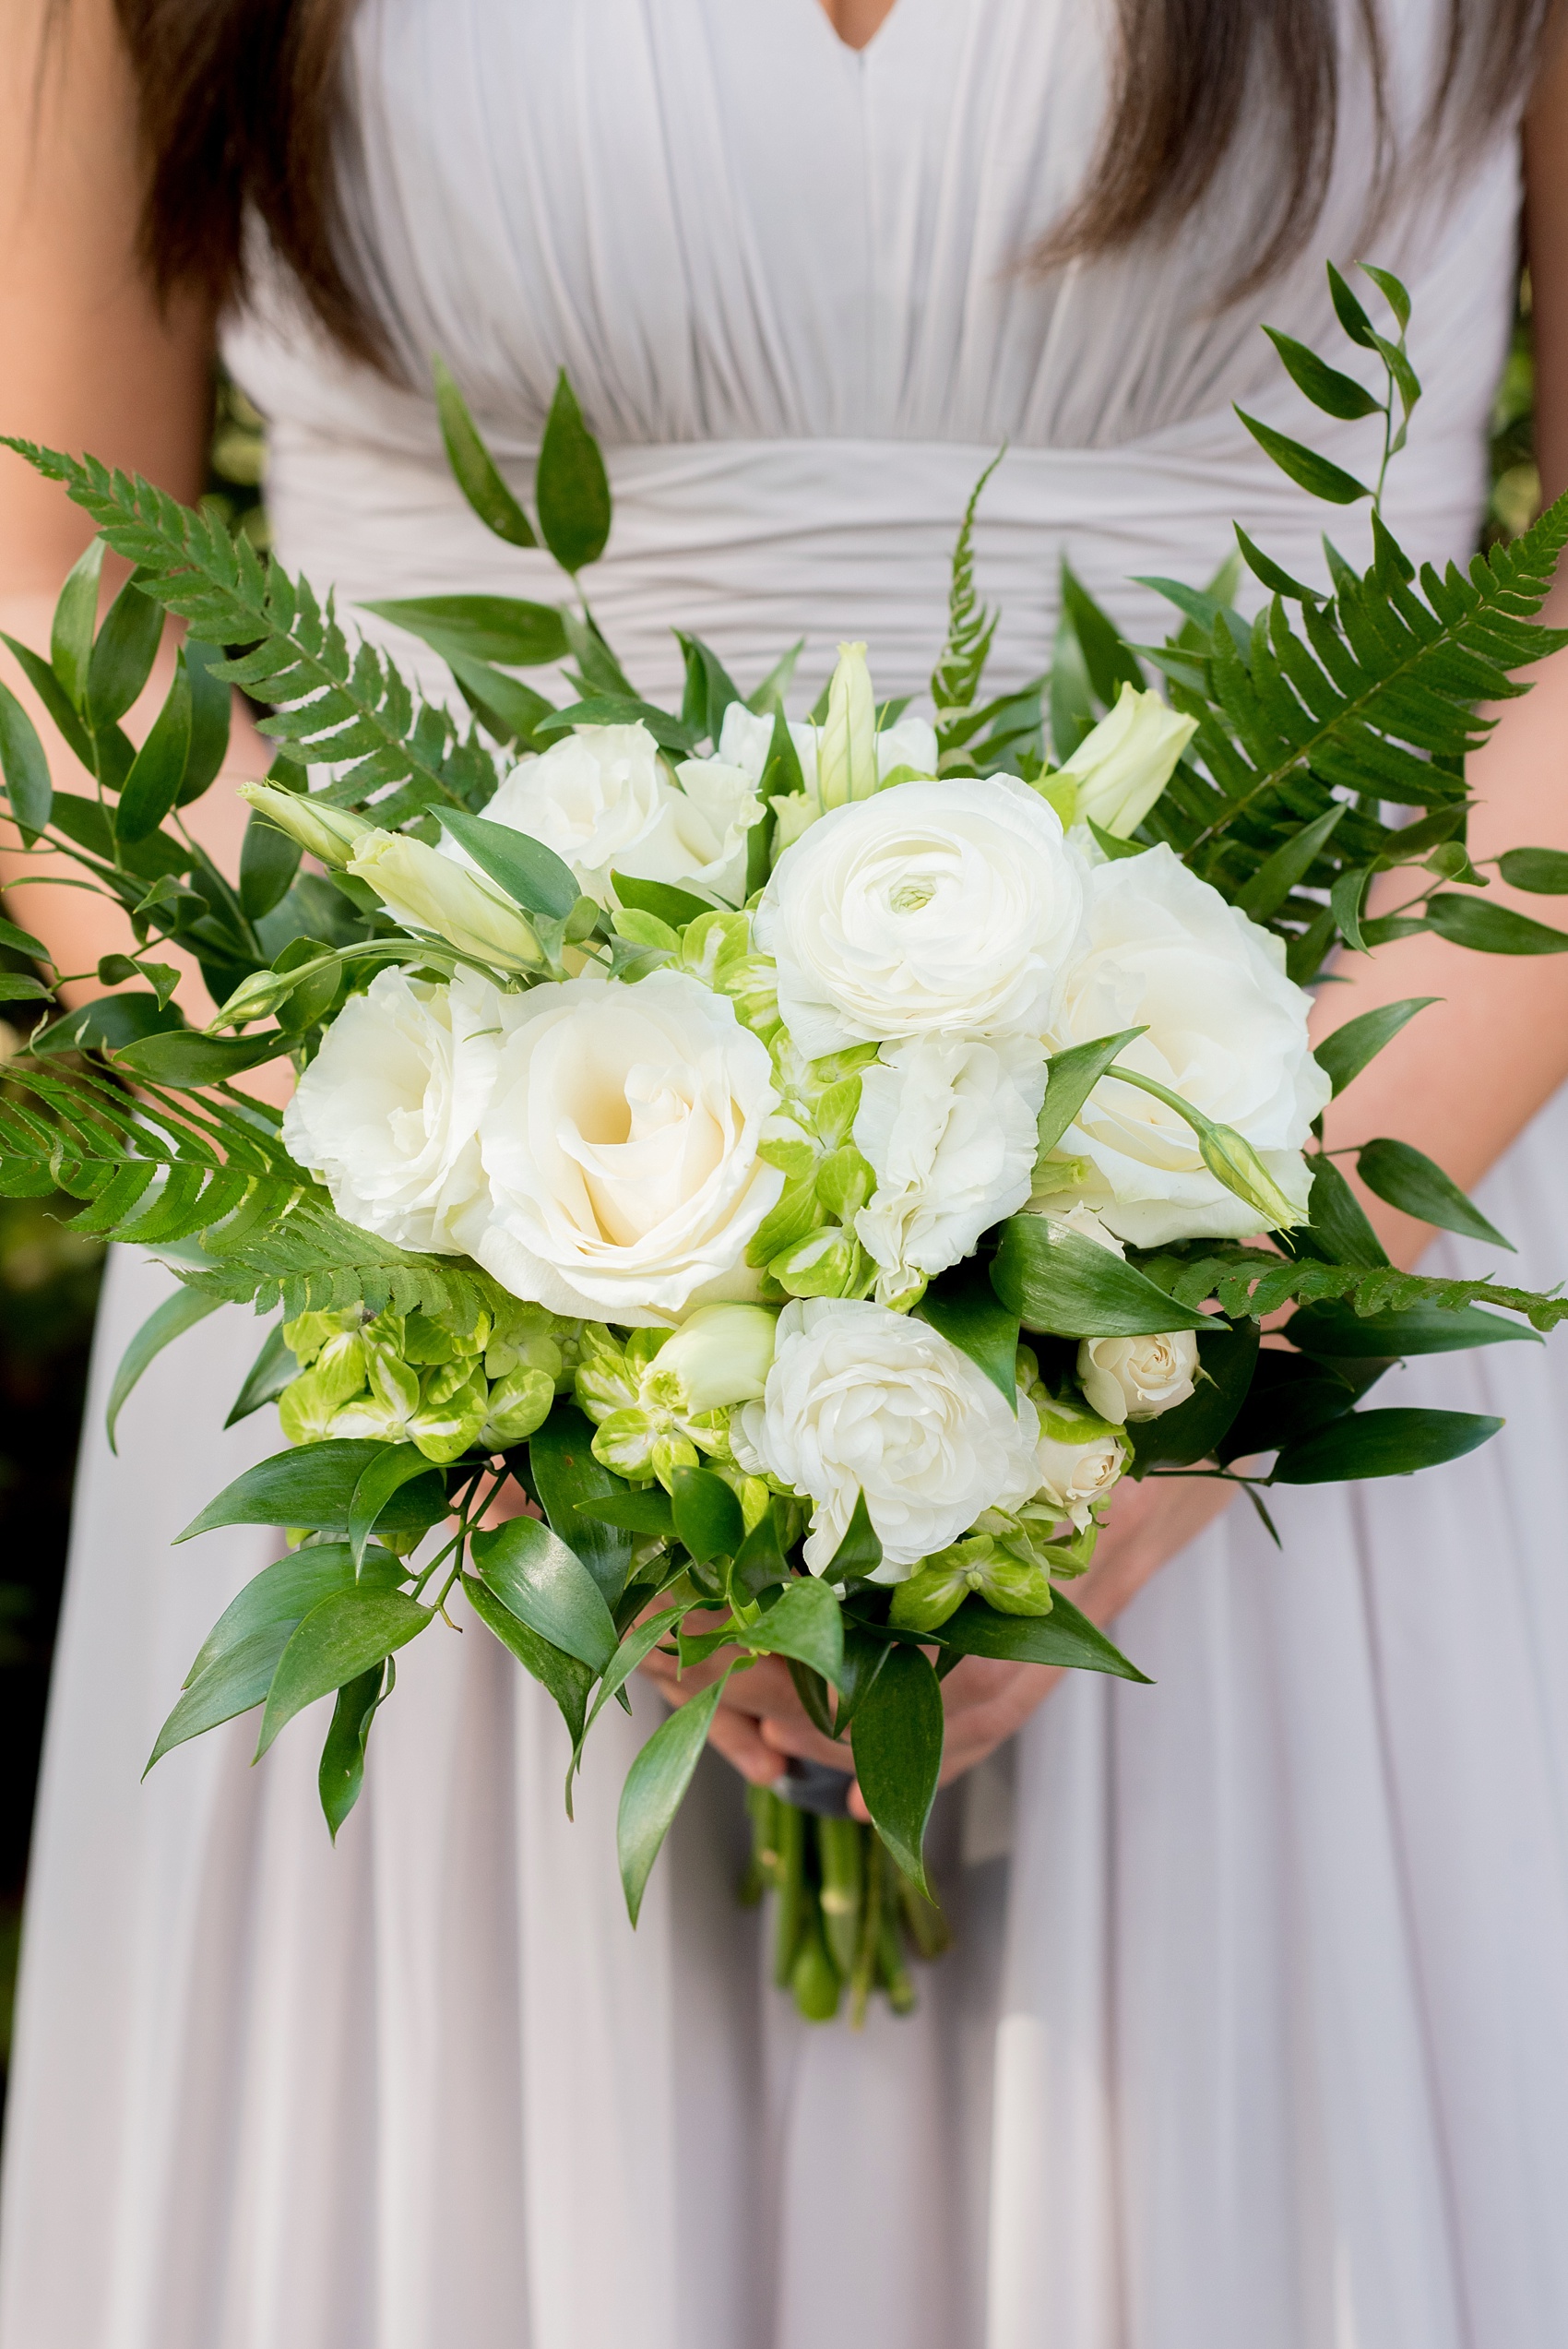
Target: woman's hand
pixel 761 1722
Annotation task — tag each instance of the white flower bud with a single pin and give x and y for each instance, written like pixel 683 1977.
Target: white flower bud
pixel 326 833
pixel 847 754
pixel 1138 1378
pixel 429 891
pixel 721 1354
pixel 1121 766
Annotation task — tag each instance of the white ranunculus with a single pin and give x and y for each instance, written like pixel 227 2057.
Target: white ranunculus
pixel 860 1400
pixel 1126 1378
pixel 593 797
pixel 388 1112
pixel 949 1131
pixel 621 1151
pixel 1123 765
pixel 1226 1029
pixel 932 908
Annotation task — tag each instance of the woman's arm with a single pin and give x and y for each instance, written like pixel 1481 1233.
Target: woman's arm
pixel 1460 1082
pixel 91 362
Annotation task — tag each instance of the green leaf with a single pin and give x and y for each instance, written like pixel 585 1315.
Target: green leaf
pixel 966 1311
pixel 623 709
pixel 1304 466
pixel 1347 1052
pixel 1408 1180
pixel 1228 1352
pixel 393 1466
pixel 707 1515
pixel 859 1553
pixel 710 689
pixel 639 1510
pixel 23 942
pixel 547 1586
pixel 532 874
pixel 563 1676
pixel 1063 1637
pixel 896 1742
pixel 1278 873
pixel 473 465
pixel 1348 311
pixel 1544 871
pixel 675 906
pixel 108 1024
pixel 1382 1443
pixel 865 1652
pixel 638 1643
pixel 183 1058
pixel 1070 1077
pixel 239 1680
pixel 15 988
pixel 25 768
pixel 656 1786
pixel 571 487
pixel 1490 929
pixel 152 787
pixel 508 708
pixel 518 634
pixel 267 1378
pixel 76 620
pixel 1336 394
pixel 122 658
pixel 1264 568
pixel 1338 1332
pixel 164 1324
pixel 337 1641
pixel 211 708
pixel 564 1472
pixel 805 1621
pixel 341 1775
pixel 1108 660
pixel 1393 292
pixel 268 862
pixel 284 1592
pixel 314 1489
pixel 1062 1283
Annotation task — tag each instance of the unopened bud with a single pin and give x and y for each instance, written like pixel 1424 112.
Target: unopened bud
pixel 429 891
pixel 326 833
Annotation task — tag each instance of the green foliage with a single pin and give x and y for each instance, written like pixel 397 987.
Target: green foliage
pixel 972 627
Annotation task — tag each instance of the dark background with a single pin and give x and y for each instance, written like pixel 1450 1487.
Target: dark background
pixel 49 1276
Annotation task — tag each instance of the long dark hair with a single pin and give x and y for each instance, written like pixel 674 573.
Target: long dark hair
pixel 239 101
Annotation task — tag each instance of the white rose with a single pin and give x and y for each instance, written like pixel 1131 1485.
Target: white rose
pixel 621 1149
pixel 1226 1029
pixel 1123 765
pixel 949 1129
pixel 1126 1378
pixel 860 1400
pixel 593 797
pixel 388 1112
pixel 1078 1461
pixel 932 908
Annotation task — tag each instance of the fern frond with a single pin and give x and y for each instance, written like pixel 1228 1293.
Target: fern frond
pixel 972 626
pixel 1253 1280
pixel 351 709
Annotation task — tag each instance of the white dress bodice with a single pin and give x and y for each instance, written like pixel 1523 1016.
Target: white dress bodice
pixel 790 285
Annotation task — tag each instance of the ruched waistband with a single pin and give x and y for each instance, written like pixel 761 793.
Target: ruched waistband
pixel 755 543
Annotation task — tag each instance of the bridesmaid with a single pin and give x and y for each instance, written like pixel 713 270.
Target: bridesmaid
pixel 1259 2037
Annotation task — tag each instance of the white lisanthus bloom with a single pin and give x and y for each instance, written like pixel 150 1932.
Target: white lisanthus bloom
pixel 1123 764
pixel 1226 1029
pixel 621 1151
pixel 931 909
pixel 1125 1378
pixel 602 800
pixel 860 1400
pixel 387 1114
pixel 593 797
pixel 949 1131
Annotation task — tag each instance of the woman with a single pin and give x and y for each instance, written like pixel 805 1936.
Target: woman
pixel 1257 2038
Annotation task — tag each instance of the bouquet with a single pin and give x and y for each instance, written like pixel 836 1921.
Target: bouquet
pixel 816 1159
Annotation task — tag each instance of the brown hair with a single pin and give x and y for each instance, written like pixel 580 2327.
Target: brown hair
pixel 241 99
